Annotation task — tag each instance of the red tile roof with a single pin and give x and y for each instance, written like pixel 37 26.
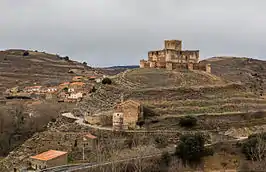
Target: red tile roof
pixel 90 136
pixel 77 83
pixel 30 87
pixel 51 154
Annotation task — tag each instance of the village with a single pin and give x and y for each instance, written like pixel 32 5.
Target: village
pixel 125 115
pixel 70 91
pixel 94 130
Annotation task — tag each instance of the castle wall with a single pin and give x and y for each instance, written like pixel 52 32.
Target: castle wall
pixel 180 66
pixel 203 67
pixel 161 64
pixel 191 56
pixel 169 66
pixel 144 64
pixel 157 56
pixel 173 45
pixel 152 64
pixel 171 55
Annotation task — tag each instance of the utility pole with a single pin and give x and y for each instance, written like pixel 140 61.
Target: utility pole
pixel 122 98
pixel 83 156
pixel 83 151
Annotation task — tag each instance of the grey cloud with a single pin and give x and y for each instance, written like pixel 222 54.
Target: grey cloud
pixel 119 32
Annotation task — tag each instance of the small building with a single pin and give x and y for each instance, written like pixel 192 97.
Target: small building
pixel 33 89
pixel 90 140
pixel 52 89
pixel 48 159
pixel 70 90
pixel 64 85
pixel 77 95
pixel 77 78
pixel 130 111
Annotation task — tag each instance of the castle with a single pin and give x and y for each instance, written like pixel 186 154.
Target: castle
pixel 172 57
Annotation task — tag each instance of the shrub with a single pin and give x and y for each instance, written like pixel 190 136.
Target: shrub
pixel 26 53
pixel 66 58
pixel 165 161
pixel 140 123
pixel 160 142
pixel 166 158
pixel 107 81
pixel 188 121
pixel 84 63
pixel 93 90
pixel 255 147
pixel 191 149
pixel 70 159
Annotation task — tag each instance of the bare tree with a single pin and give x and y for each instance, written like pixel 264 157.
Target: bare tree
pixel 258 152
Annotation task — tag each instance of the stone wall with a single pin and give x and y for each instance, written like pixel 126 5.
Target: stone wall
pixel 144 64
pixel 156 56
pixel 61 160
pixel 203 67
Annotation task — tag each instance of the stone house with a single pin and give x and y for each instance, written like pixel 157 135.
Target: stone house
pixel 76 85
pixel 52 89
pixel 77 78
pixel 48 159
pixel 33 89
pixel 90 140
pixel 64 85
pixel 127 114
pixel 75 96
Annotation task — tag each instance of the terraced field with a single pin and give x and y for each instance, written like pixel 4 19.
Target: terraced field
pixel 168 95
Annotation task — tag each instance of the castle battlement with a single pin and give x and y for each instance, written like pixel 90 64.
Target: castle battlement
pixel 173 57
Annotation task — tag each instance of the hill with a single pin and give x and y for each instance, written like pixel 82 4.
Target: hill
pixel 36 68
pixel 221 102
pixel 20 68
pixel 246 70
pixel 232 87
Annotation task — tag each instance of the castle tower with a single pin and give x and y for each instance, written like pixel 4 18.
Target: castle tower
pixel 142 64
pixel 173 45
pixel 208 68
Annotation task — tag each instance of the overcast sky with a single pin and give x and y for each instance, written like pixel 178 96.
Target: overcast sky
pixel 121 32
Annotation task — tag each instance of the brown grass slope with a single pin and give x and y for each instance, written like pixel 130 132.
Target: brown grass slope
pixel 37 67
pixel 237 68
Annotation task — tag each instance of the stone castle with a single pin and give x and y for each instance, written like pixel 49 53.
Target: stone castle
pixel 172 57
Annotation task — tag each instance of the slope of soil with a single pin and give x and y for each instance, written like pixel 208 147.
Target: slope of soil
pixel 37 67
pixel 238 68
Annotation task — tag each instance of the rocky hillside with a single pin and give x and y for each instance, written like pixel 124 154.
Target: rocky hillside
pixel 20 118
pixel 19 69
pixel 173 94
pixel 246 70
